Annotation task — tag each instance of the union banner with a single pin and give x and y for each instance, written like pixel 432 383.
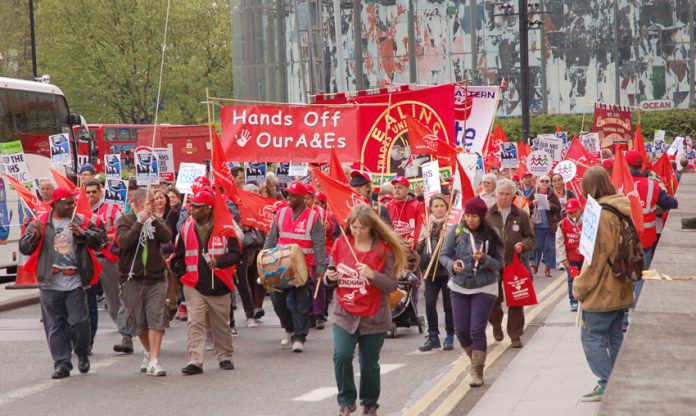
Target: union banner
pixel 613 123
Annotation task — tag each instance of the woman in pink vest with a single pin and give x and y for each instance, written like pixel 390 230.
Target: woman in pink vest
pixel 364 267
pixel 568 245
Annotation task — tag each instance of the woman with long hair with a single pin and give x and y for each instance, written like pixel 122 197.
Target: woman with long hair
pixel 162 209
pixel 364 267
pixel 437 278
pixel 473 254
pixel 563 193
pixel 545 217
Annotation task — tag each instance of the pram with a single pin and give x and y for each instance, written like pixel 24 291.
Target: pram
pixel 405 312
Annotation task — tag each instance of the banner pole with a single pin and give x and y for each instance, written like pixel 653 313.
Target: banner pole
pixel 441 238
pixel 384 164
pixel 210 132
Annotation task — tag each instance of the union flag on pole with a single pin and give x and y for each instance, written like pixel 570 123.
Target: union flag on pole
pixel 422 141
pixel 63 182
pixel 663 169
pixel 256 211
pixel 35 205
pixel 640 147
pixel 223 220
pixel 221 171
pixel 82 205
pixel 623 181
pixel 335 169
pixel 340 197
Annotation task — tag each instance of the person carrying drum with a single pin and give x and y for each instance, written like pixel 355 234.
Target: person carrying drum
pixel 297 224
pixel 364 267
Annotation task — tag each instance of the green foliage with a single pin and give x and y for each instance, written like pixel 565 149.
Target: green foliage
pixel 105 55
pixel 674 122
pixel 15 39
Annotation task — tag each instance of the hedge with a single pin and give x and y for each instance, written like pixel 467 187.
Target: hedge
pixel 674 122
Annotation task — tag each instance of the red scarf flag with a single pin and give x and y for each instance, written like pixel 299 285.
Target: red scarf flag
pixel 256 211
pixel 663 169
pixel 336 170
pixel 640 147
pixel 63 182
pixel 82 205
pixel 463 185
pixel 623 181
pixel 341 198
pixel 37 206
pixel 223 220
pixel 424 142
pixel 583 160
pixel 491 149
pixel 221 171
pixel 523 151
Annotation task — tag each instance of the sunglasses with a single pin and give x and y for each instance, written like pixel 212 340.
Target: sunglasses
pixel 544 181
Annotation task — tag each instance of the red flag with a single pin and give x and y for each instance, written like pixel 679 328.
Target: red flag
pixel 223 220
pixel 256 211
pixel 558 128
pixel 341 198
pixel 500 134
pixel 583 160
pixel 640 147
pixel 63 182
pixel 463 184
pixel 221 171
pixel 336 170
pixel 37 206
pixel 82 205
pixel 424 142
pixel 663 169
pixel 622 179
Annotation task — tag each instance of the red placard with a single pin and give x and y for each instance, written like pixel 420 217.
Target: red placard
pixel 277 133
pixel 613 122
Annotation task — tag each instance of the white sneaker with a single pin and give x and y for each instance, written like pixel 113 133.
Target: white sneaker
pixel 156 370
pixel 297 346
pixel 251 323
pixel 285 342
pixel 209 343
pixel 144 363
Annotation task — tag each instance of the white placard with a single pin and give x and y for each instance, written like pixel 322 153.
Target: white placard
pixel 676 145
pixel 60 149
pixel 14 162
pixel 591 143
pixel 552 145
pixel 297 169
pixel 590 225
pixel 659 136
pixel 542 201
pixel 431 179
pixel 188 172
pixel 474 111
pixel 112 166
pixel 165 163
pixel 567 169
pixel 146 169
pixel 116 192
pixel 470 163
pixel 539 163
pixel 508 155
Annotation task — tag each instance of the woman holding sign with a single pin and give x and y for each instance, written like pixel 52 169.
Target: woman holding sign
pixel 364 265
pixel 473 254
pixel 545 214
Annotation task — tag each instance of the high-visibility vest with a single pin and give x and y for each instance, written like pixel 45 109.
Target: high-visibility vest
pixel 217 246
pixel 648 191
pixel 297 231
pixel 521 202
pixel 106 214
pixel 571 239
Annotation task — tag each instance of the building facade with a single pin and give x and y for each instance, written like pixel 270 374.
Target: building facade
pixel 614 51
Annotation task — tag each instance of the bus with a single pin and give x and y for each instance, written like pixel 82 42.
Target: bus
pixel 30 112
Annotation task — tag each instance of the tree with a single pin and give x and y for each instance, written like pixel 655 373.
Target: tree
pixel 15 41
pixel 105 55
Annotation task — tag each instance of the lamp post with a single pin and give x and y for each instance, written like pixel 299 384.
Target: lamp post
pixel 33 39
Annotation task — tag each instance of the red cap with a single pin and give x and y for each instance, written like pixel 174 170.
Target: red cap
pixel 311 190
pixel 386 198
pixel 297 188
pixel 60 194
pixel 320 196
pixel 515 178
pixel 527 174
pixel 608 164
pixel 200 183
pixel 204 197
pixel 634 158
pixel 359 178
pixel 572 205
pixel 401 180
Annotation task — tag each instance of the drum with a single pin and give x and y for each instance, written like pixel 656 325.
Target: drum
pixel 282 267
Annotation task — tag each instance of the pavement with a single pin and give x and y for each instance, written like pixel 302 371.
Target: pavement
pixel 12 298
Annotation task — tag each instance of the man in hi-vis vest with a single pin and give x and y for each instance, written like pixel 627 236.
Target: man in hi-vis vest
pixel 297 224
pixel 206 263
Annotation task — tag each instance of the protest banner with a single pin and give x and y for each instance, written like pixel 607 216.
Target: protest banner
pixel 590 226
pixel 474 111
pixel 188 172
pixel 431 180
pixel 563 135
pixel 539 163
pixel 567 169
pixel 473 167
pixel 659 136
pixel 60 149
pixel 112 166
pixel 283 133
pixel 283 173
pixel 255 171
pixel 14 162
pixel 551 145
pixel 613 123
pixel 508 155
pixel 146 169
pixel 677 144
pixel 165 163
pixel 116 192
pixel 297 170
pixel 591 143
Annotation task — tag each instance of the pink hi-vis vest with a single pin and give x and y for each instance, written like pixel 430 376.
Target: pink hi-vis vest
pixel 106 214
pixel 571 239
pixel 648 191
pixel 217 246
pixel 298 231
pixel 352 291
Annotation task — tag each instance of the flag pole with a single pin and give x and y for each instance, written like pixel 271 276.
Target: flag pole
pixel 210 132
pixel 384 165
pixel 441 238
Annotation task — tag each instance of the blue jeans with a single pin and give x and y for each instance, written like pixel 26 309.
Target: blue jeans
pixel 601 337
pixel 638 286
pixel 577 264
pixel 292 307
pixel 66 322
pixel 546 245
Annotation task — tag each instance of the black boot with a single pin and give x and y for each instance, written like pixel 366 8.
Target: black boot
pixel 432 342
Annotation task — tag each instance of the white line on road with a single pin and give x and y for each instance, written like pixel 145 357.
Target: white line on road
pixel 323 393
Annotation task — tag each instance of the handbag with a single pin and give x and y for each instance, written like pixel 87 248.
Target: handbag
pixel 517 284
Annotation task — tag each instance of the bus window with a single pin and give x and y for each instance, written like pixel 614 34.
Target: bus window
pixel 110 135
pixel 124 135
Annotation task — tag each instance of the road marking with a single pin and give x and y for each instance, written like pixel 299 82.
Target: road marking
pixel 317 395
pixel 550 293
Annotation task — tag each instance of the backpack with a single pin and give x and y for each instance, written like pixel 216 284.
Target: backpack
pixel 628 263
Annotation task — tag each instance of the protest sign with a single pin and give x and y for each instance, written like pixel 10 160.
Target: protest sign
pixel 474 111
pixel 112 166
pixel 457 210
pixel 431 179
pixel 297 169
pixel 613 123
pixel 551 145
pixel 563 135
pixel 188 172
pixel 508 155
pixel 116 192
pixel 567 169
pixel 14 163
pixel 255 171
pixel 539 163
pixel 283 173
pixel 590 225
pixel 659 136
pixel 146 169
pixel 281 133
pixel 473 166
pixel 60 149
pixel 165 163
pixel 591 143
pixel 676 145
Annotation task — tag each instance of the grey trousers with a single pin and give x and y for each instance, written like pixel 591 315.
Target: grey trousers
pixel 66 322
